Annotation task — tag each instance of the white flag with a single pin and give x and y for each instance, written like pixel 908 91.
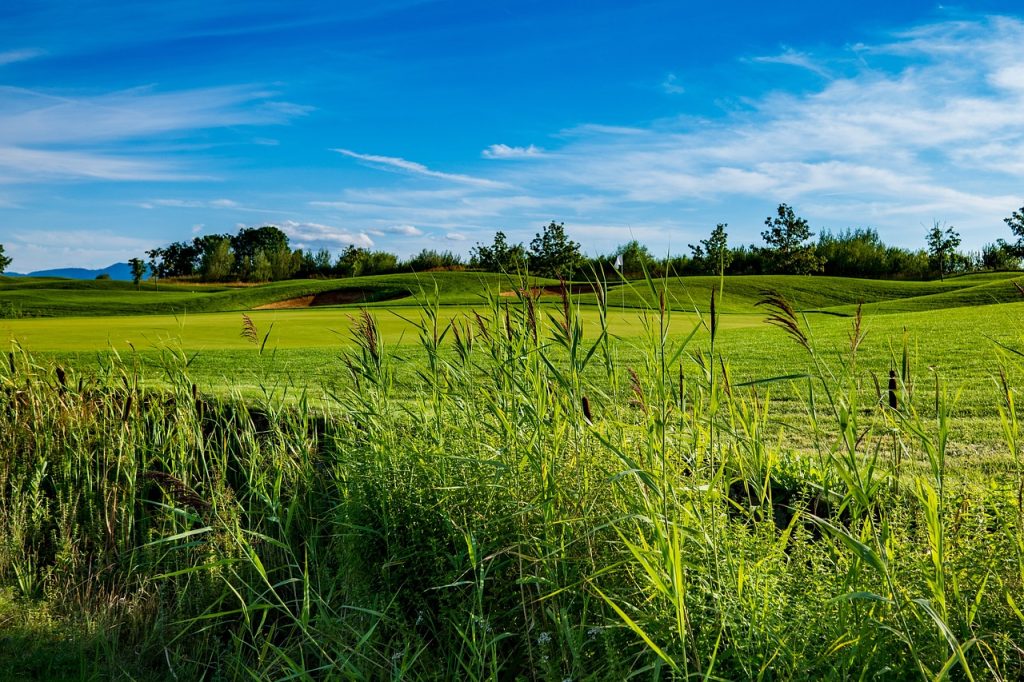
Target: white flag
pixel 618 262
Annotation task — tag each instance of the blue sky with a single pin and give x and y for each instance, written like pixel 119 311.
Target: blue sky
pixel 409 124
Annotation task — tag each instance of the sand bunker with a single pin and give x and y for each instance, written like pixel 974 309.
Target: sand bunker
pixel 336 297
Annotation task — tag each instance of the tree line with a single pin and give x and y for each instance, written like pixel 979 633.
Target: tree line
pixel 264 254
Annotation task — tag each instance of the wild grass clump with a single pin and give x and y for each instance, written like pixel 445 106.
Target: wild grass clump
pixel 530 506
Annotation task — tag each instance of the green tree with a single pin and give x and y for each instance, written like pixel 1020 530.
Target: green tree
pixel 553 254
pixel 941 248
pixel 251 240
pixel 1016 224
pixel 788 250
pixel 712 255
pixel 320 263
pixel 262 269
pixel 4 260
pixel 283 263
pixel 138 271
pixel 431 259
pixel 636 258
pixel 500 256
pixel 1000 256
pixel 218 260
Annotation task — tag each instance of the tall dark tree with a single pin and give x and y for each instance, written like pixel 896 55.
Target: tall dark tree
pixel 138 271
pixel 941 248
pixel 712 255
pixel 500 256
pixel 553 254
pixel 787 236
pixel 4 260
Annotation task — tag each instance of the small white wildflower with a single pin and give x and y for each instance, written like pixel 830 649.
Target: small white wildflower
pixel 419 618
pixel 594 632
pixel 544 638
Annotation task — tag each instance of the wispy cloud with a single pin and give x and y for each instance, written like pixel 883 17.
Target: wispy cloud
pixel 419 169
pixel 456 237
pixel 46 135
pixel 504 151
pixel 14 56
pixel 791 57
pixel 190 203
pixel 671 86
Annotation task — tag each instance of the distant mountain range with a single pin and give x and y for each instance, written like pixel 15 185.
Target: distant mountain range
pixel 121 271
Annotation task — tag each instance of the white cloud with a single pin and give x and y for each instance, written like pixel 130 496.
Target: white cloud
pixel 419 169
pixel 197 228
pixel 317 235
pixel 456 237
pixel 405 230
pixel 503 151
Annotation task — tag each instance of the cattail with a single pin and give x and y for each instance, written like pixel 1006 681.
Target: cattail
pixel 127 408
pixel 892 389
pixel 586 410
pixel 10 362
pixel 61 377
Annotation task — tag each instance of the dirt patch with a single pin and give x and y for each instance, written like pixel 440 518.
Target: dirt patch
pixel 336 297
pixel 552 290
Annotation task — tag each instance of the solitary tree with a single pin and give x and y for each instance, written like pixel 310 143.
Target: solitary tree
pixel 788 250
pixel 4 260
pixel 941 247
pixel 553 254
pixel 713 254
pixel 138 271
